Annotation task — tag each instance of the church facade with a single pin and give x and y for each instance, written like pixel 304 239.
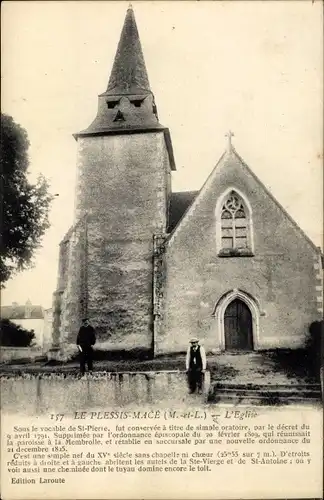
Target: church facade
pixel 151 268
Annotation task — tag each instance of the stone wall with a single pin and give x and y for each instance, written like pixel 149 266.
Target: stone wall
pixel 74 300
pixel 66 393
pixel 280 279
pixel 122 186
pixel 70 297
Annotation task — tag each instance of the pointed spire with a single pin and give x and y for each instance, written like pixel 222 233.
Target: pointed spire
pixel 128 105
pixel 129 75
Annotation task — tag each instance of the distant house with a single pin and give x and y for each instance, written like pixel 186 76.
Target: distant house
pixel 29 316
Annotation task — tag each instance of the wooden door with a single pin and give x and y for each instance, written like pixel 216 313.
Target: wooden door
pixel 238 326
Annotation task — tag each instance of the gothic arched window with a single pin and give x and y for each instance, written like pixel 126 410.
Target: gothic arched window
pixel 234 226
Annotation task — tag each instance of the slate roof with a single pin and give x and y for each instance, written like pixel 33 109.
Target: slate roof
pixel 19 312
pixel 179 203
pixel 129 75
pixel 128 104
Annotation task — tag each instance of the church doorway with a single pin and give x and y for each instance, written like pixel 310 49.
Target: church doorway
pixel 238 326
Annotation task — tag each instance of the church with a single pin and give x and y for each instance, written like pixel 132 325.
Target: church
pixel 152 268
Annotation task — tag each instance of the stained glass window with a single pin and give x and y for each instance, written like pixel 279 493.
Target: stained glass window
pixel 234 223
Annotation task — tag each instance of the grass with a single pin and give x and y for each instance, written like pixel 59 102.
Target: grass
pixel 295 363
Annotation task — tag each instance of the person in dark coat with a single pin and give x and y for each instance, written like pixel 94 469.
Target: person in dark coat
pixel 85 340
pixel 195 365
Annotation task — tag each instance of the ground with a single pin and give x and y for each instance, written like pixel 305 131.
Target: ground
pixel 252 378
pixel 255 368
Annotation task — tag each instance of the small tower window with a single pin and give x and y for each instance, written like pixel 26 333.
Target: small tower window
pixel 112 104
pixel 234 227
pixel 137 102
pixel 119 117
pixel 154 109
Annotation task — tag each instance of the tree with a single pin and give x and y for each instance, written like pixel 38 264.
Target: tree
pixel 315 345
pixel 12 335
pixel 25 206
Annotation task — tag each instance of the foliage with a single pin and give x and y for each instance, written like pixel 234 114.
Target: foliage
pixel 12 335
pixel 303 363
pixel 25 206
pixel 315 343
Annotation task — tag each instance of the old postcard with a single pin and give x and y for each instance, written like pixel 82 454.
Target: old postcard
pixel 162 259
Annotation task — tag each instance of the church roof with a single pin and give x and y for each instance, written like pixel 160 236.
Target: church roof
pixel 179 203
pixel 129 75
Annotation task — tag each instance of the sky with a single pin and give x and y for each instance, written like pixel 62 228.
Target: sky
pixel 253 67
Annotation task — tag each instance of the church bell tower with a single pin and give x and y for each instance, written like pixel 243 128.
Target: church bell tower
pixel 123 189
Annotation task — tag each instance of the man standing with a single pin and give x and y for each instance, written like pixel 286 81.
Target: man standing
pixel 195 365
pixel 85 340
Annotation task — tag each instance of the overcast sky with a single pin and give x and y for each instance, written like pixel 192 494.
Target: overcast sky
pixel 254 67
